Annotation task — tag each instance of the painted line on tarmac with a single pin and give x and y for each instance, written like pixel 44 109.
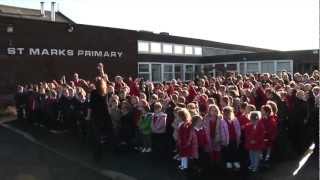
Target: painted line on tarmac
pixel 304 159
pixel 107 173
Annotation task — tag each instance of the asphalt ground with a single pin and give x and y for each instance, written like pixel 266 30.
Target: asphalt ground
pixel 29 152
pixel 21 159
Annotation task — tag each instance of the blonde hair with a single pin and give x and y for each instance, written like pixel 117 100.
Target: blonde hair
pixel 191 106
pixel 251 107
pixel 227 110
pixel 274 106
pixel 158 105
pixel 215 108
pixel 184 115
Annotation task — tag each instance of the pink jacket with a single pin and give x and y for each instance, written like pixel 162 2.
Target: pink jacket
pixel 225 132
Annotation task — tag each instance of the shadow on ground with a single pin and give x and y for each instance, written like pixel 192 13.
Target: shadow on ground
pixel 22 159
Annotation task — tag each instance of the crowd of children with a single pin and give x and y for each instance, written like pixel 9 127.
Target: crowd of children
pixel 236 120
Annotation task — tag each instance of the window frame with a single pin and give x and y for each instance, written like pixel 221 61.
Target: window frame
pixel 194 49
pixel 164 72
pixel 185 50
pixel 143 51
pixel 252 62
pixel 149 70
pixel 191 72
pixel 182 49
pixel 155 42
pixel 290 61
pixel 268 61
pixel 167 53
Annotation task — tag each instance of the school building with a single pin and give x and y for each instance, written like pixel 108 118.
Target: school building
pixel 39 45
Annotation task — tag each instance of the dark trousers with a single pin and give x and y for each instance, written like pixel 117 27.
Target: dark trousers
pixel 100 135
pixel 159 146
pixel 20 111
pixel 231 152
pixel 202 163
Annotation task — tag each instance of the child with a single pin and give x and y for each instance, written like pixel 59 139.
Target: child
pixel 52 110
pixel 145 127
pixel 153 100
pixel 127 126
pixel 202 139
pixel 158 126
pixel 230 138
pixel 175 125
pixel 274 109
pixel 187 140
pixel 20 102
pixel 65 109
pixel 243 115
pixel 254 140
pixel 81 109
pixel 193 109
pixel 244 119
pixel 212 123
pixel 134 101
pixel 270 126
pixel 115 114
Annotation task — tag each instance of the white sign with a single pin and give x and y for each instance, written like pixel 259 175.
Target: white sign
pixel 64 52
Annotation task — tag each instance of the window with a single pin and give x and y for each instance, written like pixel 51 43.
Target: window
pixel 197 70
pixel 155 47
pixel 252 67
pixel 198 51
pixel 178 49
pixel 143 46
pixel 144 71
pixel 178 71
pixel 208 70
pixel 167 72
pixel 283 65
pixel 267 67
pixel 167 48
pixel 156 72
pixel 242 71
pixel 188 72
pixel 188 50
pixel 231 67
pixel 220 69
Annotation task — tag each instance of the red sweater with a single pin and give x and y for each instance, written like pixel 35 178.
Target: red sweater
pixel 254 137
pixel 270 131
pixel 243 120
pixel 192 94
pixel 202 138
pixel 261 96
pixel 232 131
pixel 134 88
pixel 187 141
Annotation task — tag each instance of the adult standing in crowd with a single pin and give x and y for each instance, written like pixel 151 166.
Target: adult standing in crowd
pixel 99 117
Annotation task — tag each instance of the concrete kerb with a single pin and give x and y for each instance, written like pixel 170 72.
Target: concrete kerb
pixel 104 172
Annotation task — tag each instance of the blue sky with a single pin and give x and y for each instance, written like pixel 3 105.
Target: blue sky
pixel 273 24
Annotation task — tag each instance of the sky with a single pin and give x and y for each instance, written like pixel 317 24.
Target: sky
pixel 271 24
